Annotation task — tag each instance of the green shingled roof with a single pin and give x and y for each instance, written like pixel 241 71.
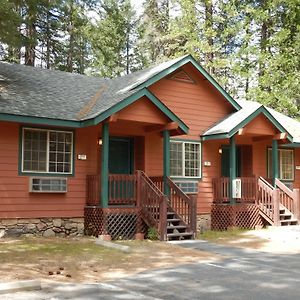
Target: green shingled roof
pixel 250 109
pixel 73 99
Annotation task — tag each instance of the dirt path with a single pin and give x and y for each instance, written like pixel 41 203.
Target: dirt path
pixel 81 260
pixel 285 240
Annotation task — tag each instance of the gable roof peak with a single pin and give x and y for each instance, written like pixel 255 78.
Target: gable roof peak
pixel 151 75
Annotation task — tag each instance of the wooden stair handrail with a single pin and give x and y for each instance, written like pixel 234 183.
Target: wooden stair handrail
pixel 177 189
pixel 149 206
pixel 268 201
pixel 183 205
pixel 284 188
pixel 186 209
pixel 266 182
pixel 289 198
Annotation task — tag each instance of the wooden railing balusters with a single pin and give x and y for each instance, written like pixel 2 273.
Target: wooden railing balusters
pixel 221 190
pixel 183 205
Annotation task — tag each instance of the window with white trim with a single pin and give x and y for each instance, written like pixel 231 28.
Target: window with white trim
pixel 285 163
pixel 47 151
pixel 185 159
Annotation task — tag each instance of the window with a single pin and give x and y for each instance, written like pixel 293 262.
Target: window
pixel 185 159
pixel 47 151
pixel 286 164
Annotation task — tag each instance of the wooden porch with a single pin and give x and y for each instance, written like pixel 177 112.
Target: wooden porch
pixel 259 204
pixel 136 203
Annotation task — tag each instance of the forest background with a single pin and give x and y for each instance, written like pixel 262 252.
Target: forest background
pixel 251 47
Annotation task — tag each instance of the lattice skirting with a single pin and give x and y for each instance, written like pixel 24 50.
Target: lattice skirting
pixel 245 216
pixel 119 223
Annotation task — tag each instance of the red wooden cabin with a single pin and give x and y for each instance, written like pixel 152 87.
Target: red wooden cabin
pixel 165 147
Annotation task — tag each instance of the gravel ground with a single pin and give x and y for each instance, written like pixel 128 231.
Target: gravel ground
pixel 284 239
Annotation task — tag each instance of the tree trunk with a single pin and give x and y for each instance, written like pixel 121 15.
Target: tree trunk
pixel 71 40
pixel 208 25
pixel 48 37
pixel 30 37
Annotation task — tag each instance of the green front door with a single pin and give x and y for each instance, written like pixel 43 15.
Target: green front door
pixel 120 156
pixel 121 190
pixel 225 162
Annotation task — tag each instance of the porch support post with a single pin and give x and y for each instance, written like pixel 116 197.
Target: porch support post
pixel 166 164
pixel 232 171
pixel 275 170
pixel 104 165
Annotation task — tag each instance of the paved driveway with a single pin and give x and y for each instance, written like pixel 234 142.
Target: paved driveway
pixel 242 274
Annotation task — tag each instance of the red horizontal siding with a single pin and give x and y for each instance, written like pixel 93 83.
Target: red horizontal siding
pixel 15 198
pixel 200 106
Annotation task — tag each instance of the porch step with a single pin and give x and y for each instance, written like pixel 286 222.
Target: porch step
pixel 180 236
pixel 176 229
pixel 289 222
pixel 173 220
pixel 286 217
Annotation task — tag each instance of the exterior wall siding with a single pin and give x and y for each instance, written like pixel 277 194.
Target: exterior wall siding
pixel 15 199
pixel 297 172
pixel 199 105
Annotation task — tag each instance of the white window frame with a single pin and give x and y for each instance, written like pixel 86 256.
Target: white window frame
pixel 47 152
pixel 183 159
pixel 280 168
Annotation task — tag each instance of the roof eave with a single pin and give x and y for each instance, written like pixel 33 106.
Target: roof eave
pixel 233 131
pixel 39 120
pixel 101 117
pixel 131 99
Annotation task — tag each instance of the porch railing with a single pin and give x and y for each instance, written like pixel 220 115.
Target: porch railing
pixel 92 190
pixel 183 205
pixel 153 204
pixel 140 191
pixel 288 198
pixel 221 190
pixel 268 200
pixel 122 189
pixel 271 199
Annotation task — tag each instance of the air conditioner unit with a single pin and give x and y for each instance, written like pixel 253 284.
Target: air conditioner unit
pixel 237 188
pixel 47 185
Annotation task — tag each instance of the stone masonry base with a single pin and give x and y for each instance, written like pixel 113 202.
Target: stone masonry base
pixel 203 222
pixel 46 227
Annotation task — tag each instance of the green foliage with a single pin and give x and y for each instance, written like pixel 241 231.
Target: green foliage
pixel 110 38
pixel 152 234
pixel 250 47
pixel 229 234
pixel 10 20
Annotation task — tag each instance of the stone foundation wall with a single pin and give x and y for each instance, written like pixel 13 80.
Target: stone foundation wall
pixel 46 227
pixel 203 222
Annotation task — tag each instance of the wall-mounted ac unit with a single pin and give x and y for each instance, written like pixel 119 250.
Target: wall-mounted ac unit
pixel 237 188
pixel 47 185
